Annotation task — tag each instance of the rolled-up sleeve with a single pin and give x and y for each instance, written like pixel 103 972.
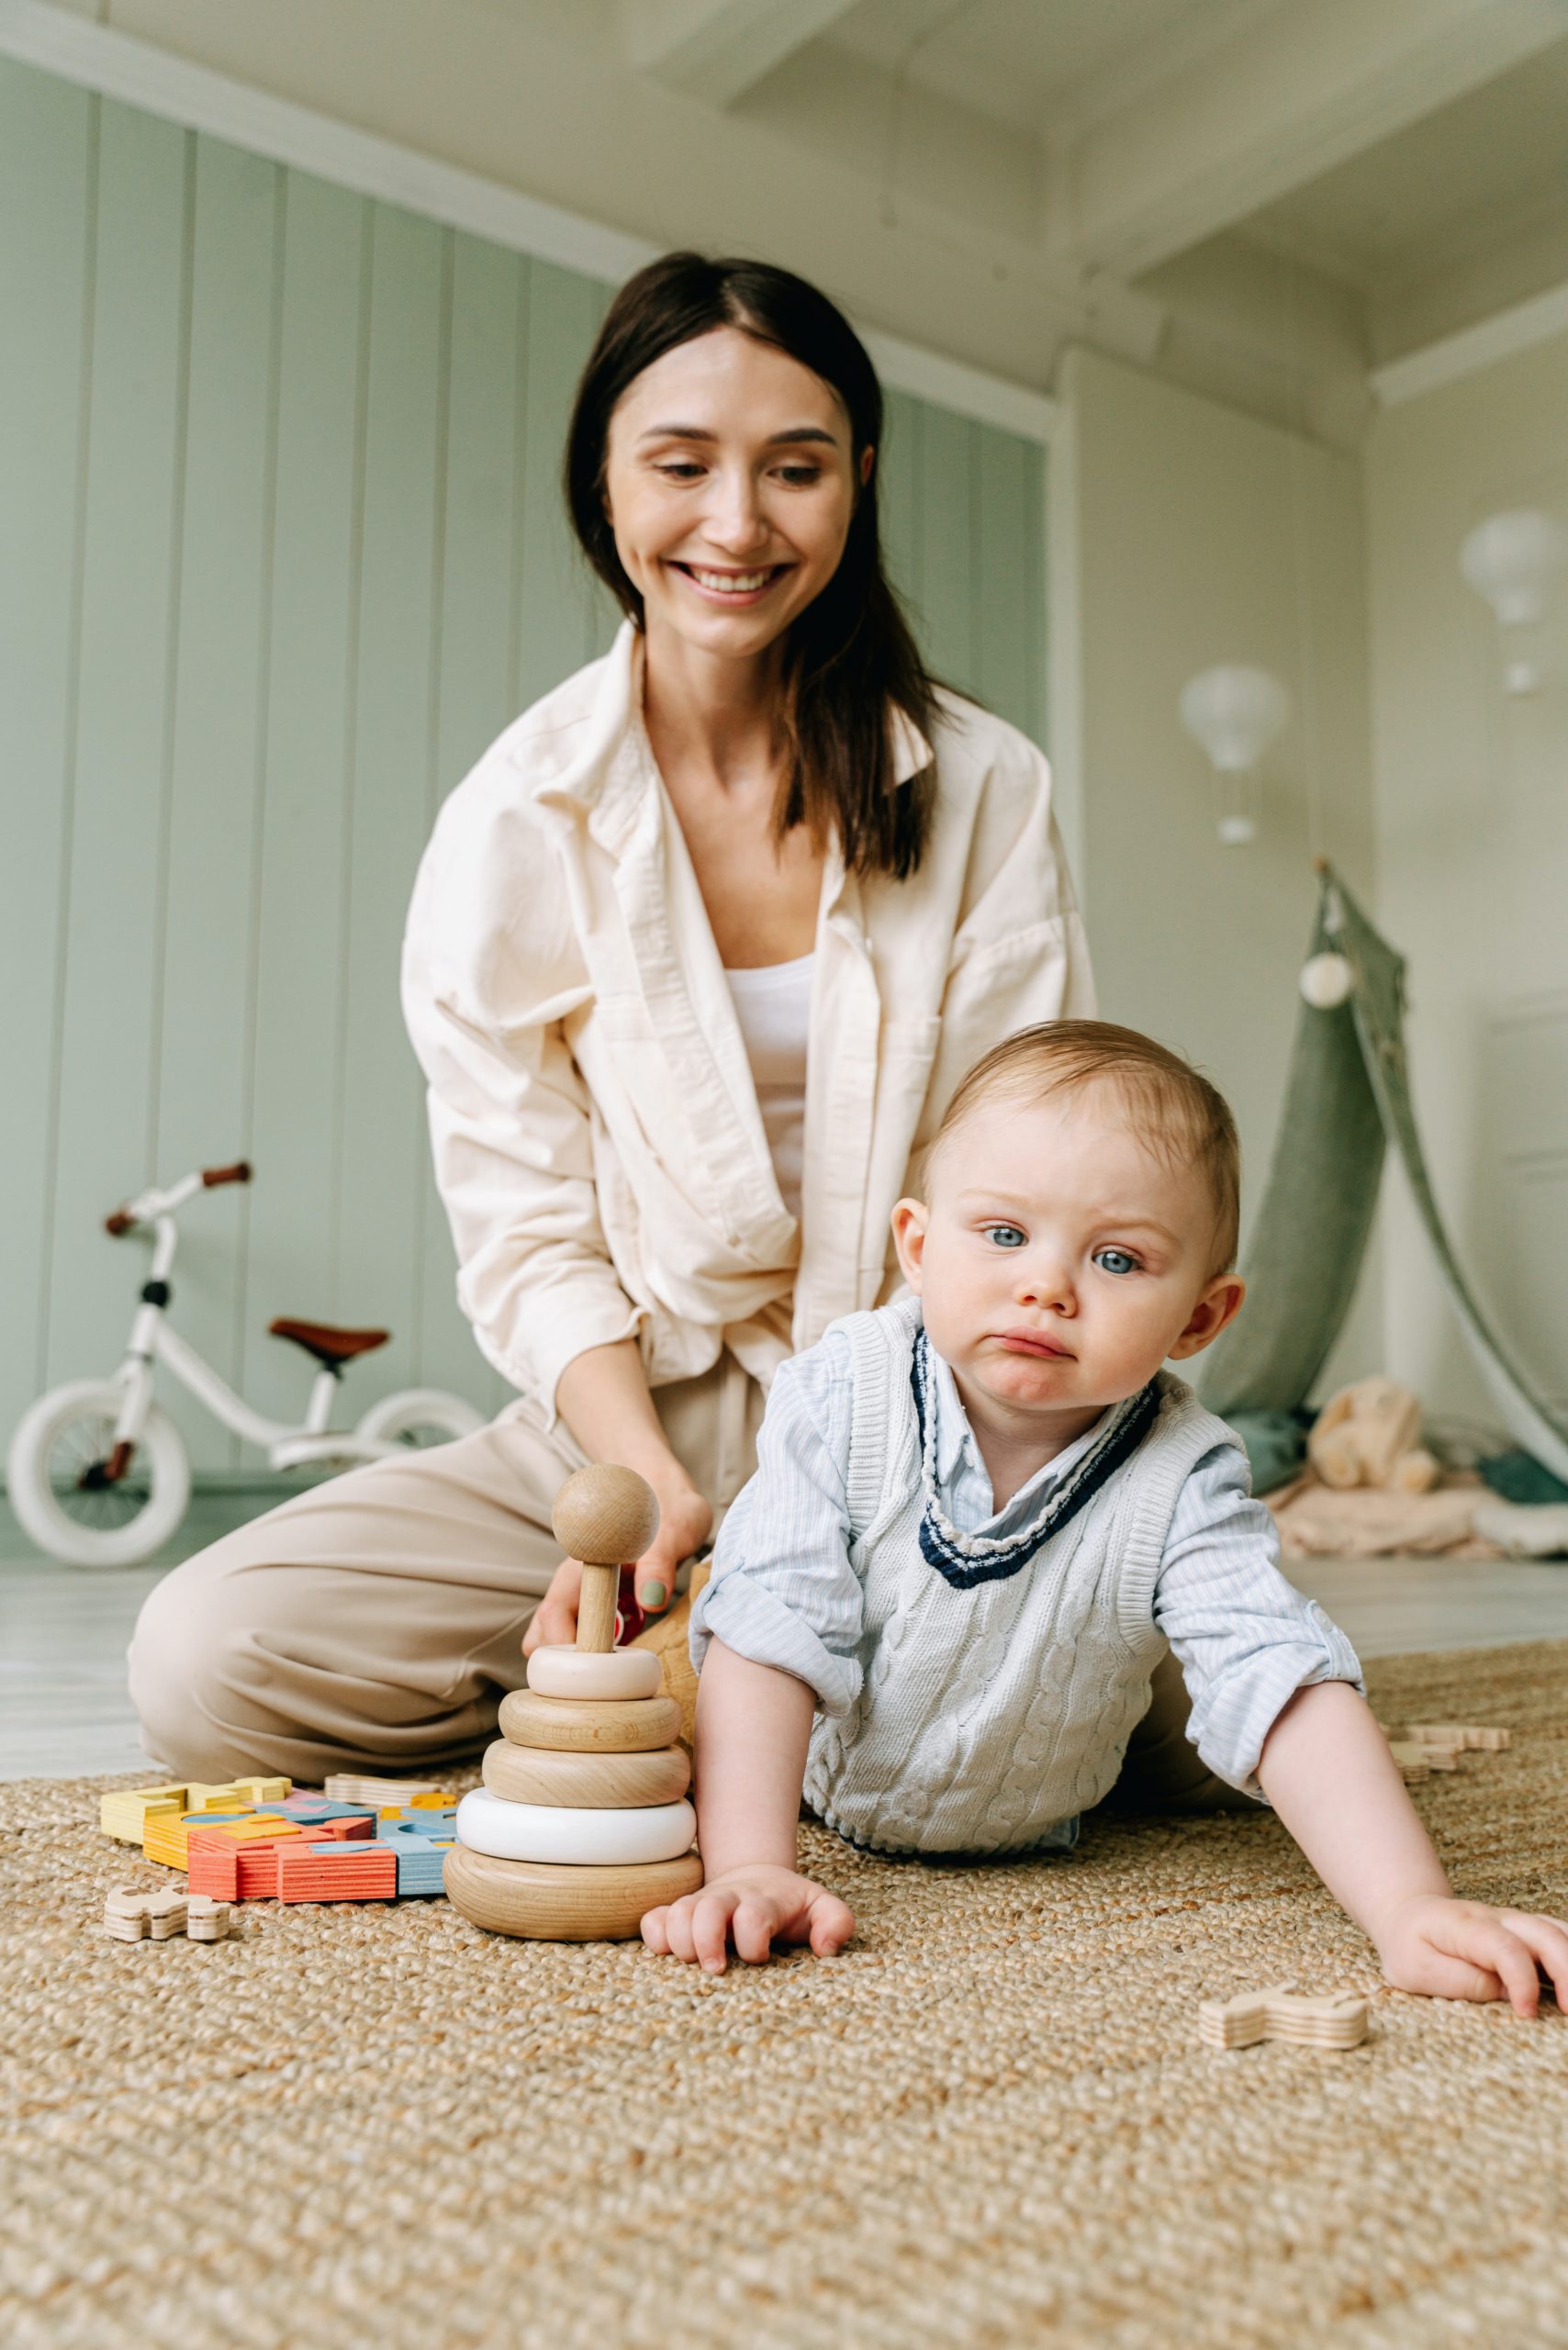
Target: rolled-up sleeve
pixel 491 970
pixel 1245 1639
pixel 782 1591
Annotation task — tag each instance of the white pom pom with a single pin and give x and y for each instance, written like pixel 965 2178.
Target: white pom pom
pixel 1326 982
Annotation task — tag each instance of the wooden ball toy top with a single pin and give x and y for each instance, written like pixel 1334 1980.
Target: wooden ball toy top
pixel 605 1515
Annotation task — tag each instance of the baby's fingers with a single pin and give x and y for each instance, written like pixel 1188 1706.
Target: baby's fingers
pixel 1546 1940
pixel 831 1924
pixel 1488 1943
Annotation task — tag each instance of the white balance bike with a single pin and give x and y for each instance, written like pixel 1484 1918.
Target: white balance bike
pixel 98 1473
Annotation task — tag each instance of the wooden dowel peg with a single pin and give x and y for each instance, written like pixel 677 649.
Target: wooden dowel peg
pixel 606 1516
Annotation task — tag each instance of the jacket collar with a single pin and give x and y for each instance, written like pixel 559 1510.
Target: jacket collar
pixel 604 763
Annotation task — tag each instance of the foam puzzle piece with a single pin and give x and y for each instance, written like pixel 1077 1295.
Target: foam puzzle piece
pixel 124 1814
pixel 344 1871
pixel 419 1856
pixel 167 1836
pixel 1337 2020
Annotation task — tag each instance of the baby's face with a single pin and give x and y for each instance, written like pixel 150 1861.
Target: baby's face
pixel 1059 1259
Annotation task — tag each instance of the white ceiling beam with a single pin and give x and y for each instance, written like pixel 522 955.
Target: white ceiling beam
pixel 1297 93
pixel 718 50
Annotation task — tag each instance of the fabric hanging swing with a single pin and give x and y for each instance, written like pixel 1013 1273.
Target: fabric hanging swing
pixel 1347 1097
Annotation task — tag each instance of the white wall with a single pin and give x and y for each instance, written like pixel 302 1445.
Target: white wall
pixel 1185 533
pixel 1471 816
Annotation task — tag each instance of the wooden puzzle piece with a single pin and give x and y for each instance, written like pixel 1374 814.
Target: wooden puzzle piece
pixel 346 1787
pixel 1337 2021
pixel 1463 1736
pixel 167 1835
pixel 206 1920
pixel 1415 1762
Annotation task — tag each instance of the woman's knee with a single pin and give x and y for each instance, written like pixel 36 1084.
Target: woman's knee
pixel 194 1676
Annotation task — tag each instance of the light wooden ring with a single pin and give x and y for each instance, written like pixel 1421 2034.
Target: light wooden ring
pixel 616 1674
pixel 590 1725
pixel 594 1840
pixel 547 1902
pixel 607 1782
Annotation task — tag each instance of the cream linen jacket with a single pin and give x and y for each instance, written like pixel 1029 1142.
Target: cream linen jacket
pixel 596 1131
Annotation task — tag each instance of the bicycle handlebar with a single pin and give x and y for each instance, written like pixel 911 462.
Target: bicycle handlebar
pixel 153 1204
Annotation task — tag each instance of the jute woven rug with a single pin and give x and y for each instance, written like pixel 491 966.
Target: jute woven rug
pixel 988 2122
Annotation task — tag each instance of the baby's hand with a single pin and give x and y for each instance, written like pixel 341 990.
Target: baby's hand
pixel 1466 1950
pixel 757 1908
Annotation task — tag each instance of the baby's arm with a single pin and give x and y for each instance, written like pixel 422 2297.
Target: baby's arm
pixel 1327 1770
pixel 752 1726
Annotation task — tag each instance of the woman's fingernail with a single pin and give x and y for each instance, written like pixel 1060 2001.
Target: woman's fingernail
pixel 653 1594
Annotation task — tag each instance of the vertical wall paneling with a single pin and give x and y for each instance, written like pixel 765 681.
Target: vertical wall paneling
pixel 116 880
pixel 295 1011
pixel 380 1144
pixel 897 497
pixel 224 577
pixel 947 518
pixel 473 683
pixel 556 630
pixel 282 549
pixel 48 169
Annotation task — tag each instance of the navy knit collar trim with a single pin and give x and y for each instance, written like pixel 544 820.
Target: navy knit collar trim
pixel 965 1559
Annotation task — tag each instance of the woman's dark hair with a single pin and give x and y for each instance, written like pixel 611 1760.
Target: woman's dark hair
pixel 850 652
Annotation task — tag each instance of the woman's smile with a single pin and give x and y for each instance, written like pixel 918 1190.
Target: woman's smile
pixel 731 587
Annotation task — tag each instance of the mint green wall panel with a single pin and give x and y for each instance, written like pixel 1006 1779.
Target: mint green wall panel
pixel 215 806
pixel 282 549
pixel 380 1142
pixel 294 1018
pixel 480 590
pixel 47 164
pixel 116 885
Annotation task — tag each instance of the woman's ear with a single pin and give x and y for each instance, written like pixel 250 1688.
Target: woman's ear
pixel 868 464
pixel 1219 1304
pixel 910 1219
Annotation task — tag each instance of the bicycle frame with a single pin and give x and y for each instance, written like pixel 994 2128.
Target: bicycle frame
pixel 153 1340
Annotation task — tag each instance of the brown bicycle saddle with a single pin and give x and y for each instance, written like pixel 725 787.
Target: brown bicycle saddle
pixel 328 1345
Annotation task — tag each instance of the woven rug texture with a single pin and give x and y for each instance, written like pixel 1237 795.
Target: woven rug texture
pixel 988 2122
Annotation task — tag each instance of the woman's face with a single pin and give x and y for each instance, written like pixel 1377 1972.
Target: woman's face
pixel 731 483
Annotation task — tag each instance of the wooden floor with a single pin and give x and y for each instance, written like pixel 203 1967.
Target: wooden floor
pixel 63 1630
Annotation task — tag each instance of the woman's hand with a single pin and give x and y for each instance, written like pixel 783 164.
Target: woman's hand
pixel 1467 1950
pixel 755 1906
pixel 686 1520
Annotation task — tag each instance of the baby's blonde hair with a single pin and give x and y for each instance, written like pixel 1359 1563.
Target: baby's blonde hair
pixel 1171 1106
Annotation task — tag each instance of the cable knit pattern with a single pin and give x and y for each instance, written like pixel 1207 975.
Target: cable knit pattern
pixel 989 1719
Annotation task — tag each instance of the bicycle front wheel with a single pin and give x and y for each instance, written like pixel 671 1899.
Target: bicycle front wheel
pixel 60 1488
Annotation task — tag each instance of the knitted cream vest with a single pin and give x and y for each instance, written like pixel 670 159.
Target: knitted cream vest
pixel 991 1715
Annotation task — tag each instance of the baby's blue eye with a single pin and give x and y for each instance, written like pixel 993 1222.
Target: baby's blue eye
pixel 1006 1236
pixel 1115 1260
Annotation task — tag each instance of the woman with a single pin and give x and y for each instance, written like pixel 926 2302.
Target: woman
pixel 695 956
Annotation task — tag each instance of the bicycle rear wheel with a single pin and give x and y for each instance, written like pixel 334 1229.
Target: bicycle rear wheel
pixel 57 1474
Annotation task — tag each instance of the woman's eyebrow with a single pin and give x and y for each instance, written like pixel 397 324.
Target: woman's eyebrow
pixel 792 437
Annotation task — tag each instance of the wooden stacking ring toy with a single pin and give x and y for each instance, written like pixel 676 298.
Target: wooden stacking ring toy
pixel 544 1774
pixel 578 1673
pixel 538 1832
pixel 582 1825
pixel 552 1901
pixel 590 1725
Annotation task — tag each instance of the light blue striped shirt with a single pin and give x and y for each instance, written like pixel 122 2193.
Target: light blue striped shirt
pixel 783 1591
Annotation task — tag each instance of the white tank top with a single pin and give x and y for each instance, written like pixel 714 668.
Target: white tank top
pixel 773 1006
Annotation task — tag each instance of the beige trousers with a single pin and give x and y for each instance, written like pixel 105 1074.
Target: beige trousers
pixel 377 1620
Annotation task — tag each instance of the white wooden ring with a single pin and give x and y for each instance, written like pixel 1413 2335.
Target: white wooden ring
pixel 612 1673
pixel 537 1831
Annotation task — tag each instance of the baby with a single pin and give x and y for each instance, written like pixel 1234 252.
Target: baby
pixel 982 1514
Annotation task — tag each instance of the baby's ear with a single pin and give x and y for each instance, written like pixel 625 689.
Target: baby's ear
pixel 909 1220
pixel 1218 1304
